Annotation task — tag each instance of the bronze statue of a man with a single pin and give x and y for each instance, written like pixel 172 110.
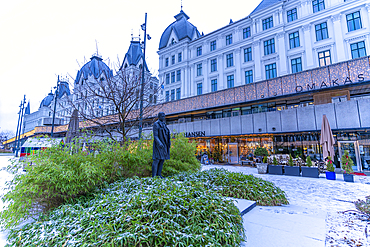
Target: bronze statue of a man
pixel 161 144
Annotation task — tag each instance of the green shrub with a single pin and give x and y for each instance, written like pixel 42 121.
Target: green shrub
pixel 238 185
pixel 275 162
pixel 63 173
pixel 290 161
pixel 308 161
pixel 330 166
pixel 139 212
pixel 264 159
pixel 346 162
pixel 364 207
pixel 261 152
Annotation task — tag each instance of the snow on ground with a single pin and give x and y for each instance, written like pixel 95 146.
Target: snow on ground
pixel 321 198
pixel 316 197
pixel 4 176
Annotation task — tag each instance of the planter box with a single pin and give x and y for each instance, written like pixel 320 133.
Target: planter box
pixel 262 168
pixel 312 172
pixel 277 170
pixel 348 177
pixel 292 171
pixel 330 175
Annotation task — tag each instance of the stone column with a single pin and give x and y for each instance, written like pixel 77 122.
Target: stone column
pixel 282 54
pixel 206 83
pixel 221 66
pixel 338 35
pixel 308 46
pixel 183 81
pixel 237 67
pixel 257 61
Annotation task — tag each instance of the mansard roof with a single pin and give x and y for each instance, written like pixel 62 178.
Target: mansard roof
pixel 265 4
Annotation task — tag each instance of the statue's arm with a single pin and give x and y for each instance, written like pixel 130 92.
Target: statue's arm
pixel 155 134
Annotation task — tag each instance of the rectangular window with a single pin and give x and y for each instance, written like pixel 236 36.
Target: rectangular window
pixel 179 57
pixel 269 46
pixel 358 50
pixel 246 32
pixel 270 71
pixel 213 45
pixel 248 76
pixel 167 96
pixel 199 88
pixel 229 39
pixel 294 40
pixel 213 65
pixel 324 58
pixel 296 65
pixel 267 23
pixel 247 54
pixel 354 21
pixel 178 74
pixel 166 61
pixel 199 51
pixel 178 93
pixel 318 5
pixel 173 94
pixel 214 85
pixel 230 81
pixel 173 59
pixel 167 78
pixel 199 69
pixel 321 31
pixel 292 15
pixel 172 77
pixel 229 60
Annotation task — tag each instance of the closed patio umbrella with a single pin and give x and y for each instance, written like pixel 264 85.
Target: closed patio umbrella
pixel 326 139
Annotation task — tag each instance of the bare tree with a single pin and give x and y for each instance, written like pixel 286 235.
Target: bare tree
pixel 109 105
pixel 5 135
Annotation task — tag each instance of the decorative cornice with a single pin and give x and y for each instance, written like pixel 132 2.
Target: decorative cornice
pixel 336 17
pixel 280 35
pixel 306 27
pixel 256 43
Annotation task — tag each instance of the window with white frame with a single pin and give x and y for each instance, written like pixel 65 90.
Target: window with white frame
pixel 229 60
pixel 294 40
pixel 269 46
pixel 199 89
pixel 358 50
pixel 267 23
pixel 270 71
pixel 248 54
pixel 324 58
pixel 229 39
pixel 213 45
pixel 296 65
pixel 248 76
pixel 230 81
pixel 292 15
pixel 199 51
pixel 214 85
pixel 318 5
pixel 321 31
pixel 199 69
pixel 246 32
pixel 354 21
pixel 214 65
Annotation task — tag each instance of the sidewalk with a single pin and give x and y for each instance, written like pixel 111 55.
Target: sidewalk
pixel 304 221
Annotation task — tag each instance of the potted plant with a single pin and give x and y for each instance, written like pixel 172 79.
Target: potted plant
pixel 309 171
pixel 275 168
pixel 261 167
pixel 347 163
pixel 291 169
pixel 330 174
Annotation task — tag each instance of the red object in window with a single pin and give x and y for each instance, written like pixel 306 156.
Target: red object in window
pixel 358 173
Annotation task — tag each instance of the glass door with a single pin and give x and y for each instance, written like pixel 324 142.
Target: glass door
pixel 232 151
pixel 353 150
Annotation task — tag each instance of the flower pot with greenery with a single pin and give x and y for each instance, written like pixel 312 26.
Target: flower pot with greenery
pixel 330 174
pixel 347 163
pixel 309 170
pixel 275 168
pixel 291 169
pixel 261 167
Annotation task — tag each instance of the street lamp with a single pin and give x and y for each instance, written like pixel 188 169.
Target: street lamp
pixel 19 126
pixel 55 106
pixel 143 27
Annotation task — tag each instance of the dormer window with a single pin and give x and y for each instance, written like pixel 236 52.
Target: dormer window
pixel 140 66
pixel 173 41
pixel 126 65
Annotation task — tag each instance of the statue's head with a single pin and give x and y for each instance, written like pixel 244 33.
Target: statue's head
pixel 161 116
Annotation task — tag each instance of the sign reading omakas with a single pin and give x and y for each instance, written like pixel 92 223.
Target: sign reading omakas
pixel 195 134
pixel 333 83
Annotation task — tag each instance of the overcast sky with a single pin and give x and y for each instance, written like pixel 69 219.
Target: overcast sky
pixel 41 39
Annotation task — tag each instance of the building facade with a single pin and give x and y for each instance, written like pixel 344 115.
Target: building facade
pixel 276 39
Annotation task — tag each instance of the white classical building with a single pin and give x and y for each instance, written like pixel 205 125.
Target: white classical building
pixel 276 39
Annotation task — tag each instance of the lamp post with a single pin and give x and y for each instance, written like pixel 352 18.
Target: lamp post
pixel 55 106
pixel 16 133
pixel 18 138
pixel 143 27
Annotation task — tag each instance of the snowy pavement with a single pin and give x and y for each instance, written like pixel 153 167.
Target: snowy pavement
pixel 311 215
pixel 309 220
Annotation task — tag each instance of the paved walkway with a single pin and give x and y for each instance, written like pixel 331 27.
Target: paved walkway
pixel 303 221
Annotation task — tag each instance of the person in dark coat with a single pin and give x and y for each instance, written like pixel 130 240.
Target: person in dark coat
pixel 161 144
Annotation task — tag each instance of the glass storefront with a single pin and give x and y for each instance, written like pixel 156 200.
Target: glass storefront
pixel 230 149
